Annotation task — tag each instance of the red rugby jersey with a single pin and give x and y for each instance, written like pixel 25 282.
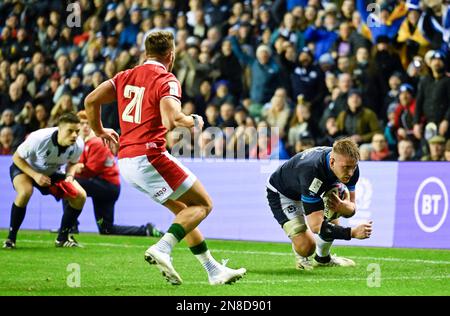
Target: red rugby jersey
pixel 99 162
pixel 139 91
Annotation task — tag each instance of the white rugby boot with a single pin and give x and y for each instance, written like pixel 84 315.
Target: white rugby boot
pixel 302 263
pixel 164 263
pixel 225 275
pixel 336 262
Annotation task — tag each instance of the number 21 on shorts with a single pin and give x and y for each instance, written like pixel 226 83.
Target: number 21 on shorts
pixel 137 94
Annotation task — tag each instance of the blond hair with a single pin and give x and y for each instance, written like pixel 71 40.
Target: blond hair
pixel 346 147
pixel 159 44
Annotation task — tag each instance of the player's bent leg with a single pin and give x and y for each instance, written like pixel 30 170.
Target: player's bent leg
pixel 199 205
pixel 323 258
pixel 72 211
pixel 23 184
pixel 217 273
pixel 302 239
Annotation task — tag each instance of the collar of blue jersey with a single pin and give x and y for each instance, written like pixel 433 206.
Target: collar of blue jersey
pixel 61 149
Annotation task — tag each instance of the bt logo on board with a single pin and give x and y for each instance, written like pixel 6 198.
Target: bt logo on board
pixel 431 204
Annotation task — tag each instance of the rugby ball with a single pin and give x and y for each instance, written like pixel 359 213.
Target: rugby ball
pixel 340 190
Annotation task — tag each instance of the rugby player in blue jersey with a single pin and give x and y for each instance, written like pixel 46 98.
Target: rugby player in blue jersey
pixel 295 192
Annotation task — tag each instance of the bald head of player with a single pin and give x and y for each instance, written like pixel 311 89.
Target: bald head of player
pixel 344 159
pixel 68 129
pixel 160 46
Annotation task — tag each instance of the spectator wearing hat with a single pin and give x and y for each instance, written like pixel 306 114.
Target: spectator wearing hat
pixel 111 50
pixel 405 112
pixel 129 34
pixel 358 122
pixel 229 68
pixel 309 80
pixel 447 150
pixel 410 36
pixel 433 99
pixel 436 148
pixel 387 62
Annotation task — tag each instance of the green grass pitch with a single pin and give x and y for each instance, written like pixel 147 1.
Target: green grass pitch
pixel 113 265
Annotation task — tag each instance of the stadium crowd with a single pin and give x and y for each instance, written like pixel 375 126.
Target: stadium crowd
pixel 315 70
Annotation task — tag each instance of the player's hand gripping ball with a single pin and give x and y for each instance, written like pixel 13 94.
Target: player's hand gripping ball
pixel 342 192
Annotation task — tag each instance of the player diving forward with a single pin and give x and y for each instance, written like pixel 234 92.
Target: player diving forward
pixel 148 98
pixel 294 191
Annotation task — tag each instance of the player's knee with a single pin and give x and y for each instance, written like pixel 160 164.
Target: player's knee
pixel 294 227
pixel 206 208
pixel 24 195
pixel 315 227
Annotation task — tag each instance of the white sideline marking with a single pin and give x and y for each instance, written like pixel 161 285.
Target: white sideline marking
pixel 265 253
pixel 343 279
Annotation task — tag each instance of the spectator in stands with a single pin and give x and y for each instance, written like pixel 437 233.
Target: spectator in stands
pixel 7 120
pixel 229 68
pixel 15 99
pixel 41 115
pixel 433 97
pixel 406 151
pixel 6 141
pixel 358 122
pixel 437 147
pixel 308 80
pixel 405 111
pixel 447 150
pixel 364 152
pixel 222 94
pixel 64 105
pixel 212 116
pixel 264 70
pixel 331 133
pixel 380 150
pixel 410 35
pixel 226 117
pixel 277 112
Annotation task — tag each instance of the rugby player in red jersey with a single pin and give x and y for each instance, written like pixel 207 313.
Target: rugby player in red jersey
pixel 148 98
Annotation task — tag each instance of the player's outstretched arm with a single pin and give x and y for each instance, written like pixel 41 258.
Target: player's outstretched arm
pixel 172 116
pixel 23 165
pixel 103 94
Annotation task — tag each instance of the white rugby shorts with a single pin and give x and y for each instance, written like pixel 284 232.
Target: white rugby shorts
pixel 160 176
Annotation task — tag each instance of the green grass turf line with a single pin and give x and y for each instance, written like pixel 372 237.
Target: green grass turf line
pixel 114 265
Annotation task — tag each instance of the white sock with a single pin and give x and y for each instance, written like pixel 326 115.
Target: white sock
pixel 322 246
pixel 166 243
pixel 208 262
